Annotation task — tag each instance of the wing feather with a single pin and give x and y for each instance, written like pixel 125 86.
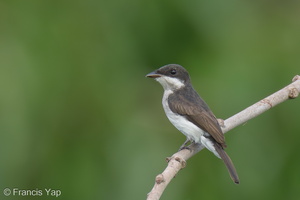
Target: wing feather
pixel 198 113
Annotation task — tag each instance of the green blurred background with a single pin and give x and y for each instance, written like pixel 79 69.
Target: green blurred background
pixel 77 113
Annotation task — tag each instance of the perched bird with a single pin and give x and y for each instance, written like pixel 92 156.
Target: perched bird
pixel 189 113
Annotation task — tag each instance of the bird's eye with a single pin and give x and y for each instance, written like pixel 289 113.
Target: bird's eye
pixel 173 71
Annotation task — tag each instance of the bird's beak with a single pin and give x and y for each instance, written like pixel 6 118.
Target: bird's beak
pixel 153 75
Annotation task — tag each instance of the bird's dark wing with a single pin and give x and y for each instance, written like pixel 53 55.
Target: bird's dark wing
pixel 196 111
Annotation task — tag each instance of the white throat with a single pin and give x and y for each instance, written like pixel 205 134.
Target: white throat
pixel 170 83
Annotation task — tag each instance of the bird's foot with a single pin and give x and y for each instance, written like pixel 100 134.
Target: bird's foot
pixel 184 145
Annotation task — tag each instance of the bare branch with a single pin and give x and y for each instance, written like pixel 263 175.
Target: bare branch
pixel 178 160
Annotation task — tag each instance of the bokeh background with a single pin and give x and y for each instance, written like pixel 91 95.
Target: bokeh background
pixel 78 115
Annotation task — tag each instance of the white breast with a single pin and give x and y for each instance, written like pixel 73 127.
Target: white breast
pixel 190 130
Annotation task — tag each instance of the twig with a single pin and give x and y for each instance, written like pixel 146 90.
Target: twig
pixel 178 160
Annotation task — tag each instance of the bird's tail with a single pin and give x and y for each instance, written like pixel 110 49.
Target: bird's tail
pixel 231 169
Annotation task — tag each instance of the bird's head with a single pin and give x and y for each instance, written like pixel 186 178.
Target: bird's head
pixel 171 76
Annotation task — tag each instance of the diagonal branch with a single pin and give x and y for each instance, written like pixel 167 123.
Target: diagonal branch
pixel 178 160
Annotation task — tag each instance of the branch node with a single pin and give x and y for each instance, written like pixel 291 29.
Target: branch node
pixel 293 93
pixel 221 123
pixel 267 101
pixel 159 179
pixel 168 159
pixel 181 161
pixel 297 77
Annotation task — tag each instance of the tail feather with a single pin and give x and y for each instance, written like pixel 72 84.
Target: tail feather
pixel 230 167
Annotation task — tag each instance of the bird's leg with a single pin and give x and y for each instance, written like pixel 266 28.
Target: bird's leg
pixel 183 146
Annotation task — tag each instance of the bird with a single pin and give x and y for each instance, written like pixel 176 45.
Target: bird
pixel 190 114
